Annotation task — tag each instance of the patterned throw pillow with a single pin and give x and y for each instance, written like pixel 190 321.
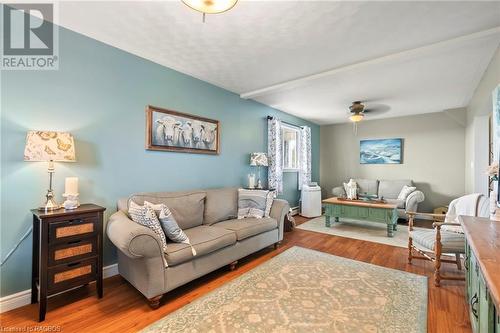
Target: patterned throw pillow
pixel 269 203
pixel 405 192
pixel 169 225
pixel 252 203
pixel 146 216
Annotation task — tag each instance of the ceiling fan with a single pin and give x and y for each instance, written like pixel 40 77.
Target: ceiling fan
pixel 357 110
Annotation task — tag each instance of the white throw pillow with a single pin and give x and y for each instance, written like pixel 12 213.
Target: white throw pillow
pixel 252 203
pixel 146 216
pixel 169 224
pixel 405 192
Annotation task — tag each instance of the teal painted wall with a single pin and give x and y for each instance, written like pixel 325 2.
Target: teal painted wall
pixel 99 94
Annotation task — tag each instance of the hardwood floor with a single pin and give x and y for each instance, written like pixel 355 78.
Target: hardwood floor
pixel 124 309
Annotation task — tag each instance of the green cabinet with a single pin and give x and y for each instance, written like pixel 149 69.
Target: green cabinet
pixel 484 317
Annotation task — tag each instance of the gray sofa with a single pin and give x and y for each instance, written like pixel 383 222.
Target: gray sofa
pixel 208 219
pixel 389 190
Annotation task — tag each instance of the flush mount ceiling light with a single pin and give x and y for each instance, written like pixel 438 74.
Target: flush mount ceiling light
pixel 210 6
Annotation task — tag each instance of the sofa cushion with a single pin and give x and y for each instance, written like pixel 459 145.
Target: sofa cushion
pixel 187 207
pixel 390 189
pixel 400 204
pixel 248 227
pixel 368 186
pixel 220 205
pixel 205 239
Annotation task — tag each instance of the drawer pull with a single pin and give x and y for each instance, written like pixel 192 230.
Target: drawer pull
pixel 72 273
pixel 74 230
pixel 473 302
pixel 72 251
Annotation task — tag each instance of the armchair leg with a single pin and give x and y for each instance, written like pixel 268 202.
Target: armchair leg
pixel 459 261
pixel 437 262
pixel 410 245
pixel 232 266
pixel 277 245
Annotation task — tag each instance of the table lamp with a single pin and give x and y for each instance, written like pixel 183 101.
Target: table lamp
pixel 258 160
pixel 46 146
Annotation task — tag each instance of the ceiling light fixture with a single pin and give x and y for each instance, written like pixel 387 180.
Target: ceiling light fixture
pixel 357 117
pixel 210 6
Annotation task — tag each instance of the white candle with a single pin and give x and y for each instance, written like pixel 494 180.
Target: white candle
pixel 71 185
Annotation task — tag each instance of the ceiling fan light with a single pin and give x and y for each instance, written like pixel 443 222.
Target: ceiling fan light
pixel 357 117
pixel 210 6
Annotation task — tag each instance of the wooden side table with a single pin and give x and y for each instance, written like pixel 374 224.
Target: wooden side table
pixel 67 252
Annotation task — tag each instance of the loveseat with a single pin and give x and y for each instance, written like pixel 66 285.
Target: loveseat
pixel 208 217
pixel 389 190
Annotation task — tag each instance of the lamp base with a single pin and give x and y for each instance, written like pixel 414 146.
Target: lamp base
pixel 50 203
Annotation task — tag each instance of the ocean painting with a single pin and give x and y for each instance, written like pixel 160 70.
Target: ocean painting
pixel 383 151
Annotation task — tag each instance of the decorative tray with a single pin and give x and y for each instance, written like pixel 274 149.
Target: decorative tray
pixel 379 201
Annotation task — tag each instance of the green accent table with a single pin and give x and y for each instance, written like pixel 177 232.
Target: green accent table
pixel 361 210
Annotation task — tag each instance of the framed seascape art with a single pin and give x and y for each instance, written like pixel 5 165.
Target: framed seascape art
pixel 382 151
pixel 180 132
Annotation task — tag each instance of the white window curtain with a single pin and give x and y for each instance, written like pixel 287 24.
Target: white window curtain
pixel 274 154
pixel 305 156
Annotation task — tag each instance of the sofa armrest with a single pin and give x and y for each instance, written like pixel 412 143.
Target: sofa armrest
pixel 279 209
pixel 338 191
pixel 413 200
pixel 133 239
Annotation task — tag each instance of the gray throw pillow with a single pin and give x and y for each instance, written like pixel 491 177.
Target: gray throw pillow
pixel 252 203
pixel 169 225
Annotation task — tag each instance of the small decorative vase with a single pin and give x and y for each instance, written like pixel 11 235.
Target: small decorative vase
pixel 71 201
pixel 251 180
pixel 351 190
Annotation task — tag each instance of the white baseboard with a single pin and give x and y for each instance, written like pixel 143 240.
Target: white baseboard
pixel 295 210
pixel 23 298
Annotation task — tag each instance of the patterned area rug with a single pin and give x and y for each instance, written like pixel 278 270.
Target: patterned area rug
pixel 303 290
pixel 363 230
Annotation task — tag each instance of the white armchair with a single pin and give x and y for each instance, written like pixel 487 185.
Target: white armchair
pixel 447 237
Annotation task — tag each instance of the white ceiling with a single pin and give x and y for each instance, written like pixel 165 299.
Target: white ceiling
pixel 379 52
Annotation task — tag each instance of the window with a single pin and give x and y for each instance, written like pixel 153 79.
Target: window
pixel 290 144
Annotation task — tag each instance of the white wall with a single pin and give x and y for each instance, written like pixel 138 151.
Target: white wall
pixel 433 156
pixel 477 141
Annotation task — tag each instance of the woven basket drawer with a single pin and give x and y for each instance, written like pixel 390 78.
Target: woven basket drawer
pixel 73 229
pixel 72 251
pixel 70 275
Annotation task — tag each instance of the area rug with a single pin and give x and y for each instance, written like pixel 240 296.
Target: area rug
pixel 363 230
pixel 303 290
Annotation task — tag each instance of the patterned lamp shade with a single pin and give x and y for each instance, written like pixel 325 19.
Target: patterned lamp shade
pixel 258 159
pixel 45 146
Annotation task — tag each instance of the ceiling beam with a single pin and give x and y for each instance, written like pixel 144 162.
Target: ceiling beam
pixel 390 57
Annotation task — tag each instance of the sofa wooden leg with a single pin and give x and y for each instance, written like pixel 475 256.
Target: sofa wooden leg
pixel 232 266
pixel 276 245
pixel 154 302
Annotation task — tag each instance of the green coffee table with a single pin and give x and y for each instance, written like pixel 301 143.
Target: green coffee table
pixel 361 210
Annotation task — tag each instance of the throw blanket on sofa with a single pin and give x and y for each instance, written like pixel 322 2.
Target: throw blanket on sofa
pixel 466 205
